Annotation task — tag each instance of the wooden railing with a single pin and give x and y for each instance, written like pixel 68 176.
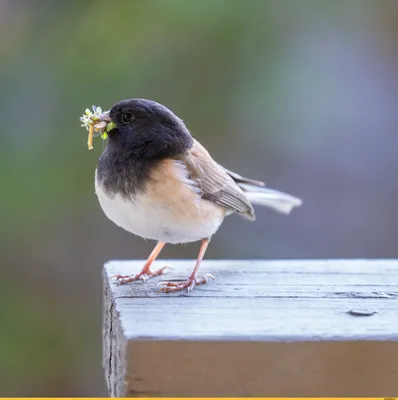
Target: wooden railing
pixel 325 328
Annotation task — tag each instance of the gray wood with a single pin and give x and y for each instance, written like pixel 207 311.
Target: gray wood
pixel 324 328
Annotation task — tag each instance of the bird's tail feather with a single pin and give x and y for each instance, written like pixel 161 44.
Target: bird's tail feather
pixel 277 201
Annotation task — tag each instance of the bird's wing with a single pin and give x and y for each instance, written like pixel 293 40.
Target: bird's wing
pixel 215 183
pixel 241 179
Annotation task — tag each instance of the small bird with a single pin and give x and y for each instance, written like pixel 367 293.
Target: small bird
pixel 156 181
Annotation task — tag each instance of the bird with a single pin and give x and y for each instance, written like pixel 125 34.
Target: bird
pixel 153 179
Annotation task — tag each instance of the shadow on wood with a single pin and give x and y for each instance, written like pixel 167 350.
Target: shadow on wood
pixel 262 328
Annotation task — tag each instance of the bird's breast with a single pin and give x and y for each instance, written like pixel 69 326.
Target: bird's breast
pixel 169 208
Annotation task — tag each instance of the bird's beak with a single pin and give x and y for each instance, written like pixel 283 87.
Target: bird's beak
pixel 106 120
pixel 105 117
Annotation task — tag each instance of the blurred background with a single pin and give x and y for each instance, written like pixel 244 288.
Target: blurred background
pixel 302 94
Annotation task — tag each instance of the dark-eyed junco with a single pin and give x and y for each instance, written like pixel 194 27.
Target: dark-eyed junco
pixel 156 181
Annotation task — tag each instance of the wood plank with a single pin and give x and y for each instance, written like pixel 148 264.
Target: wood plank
pixel 280 312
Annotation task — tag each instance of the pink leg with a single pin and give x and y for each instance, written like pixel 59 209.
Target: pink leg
pixel 193 280
pixel 146 272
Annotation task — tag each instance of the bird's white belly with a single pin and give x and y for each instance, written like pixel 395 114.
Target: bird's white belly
pixel 171 220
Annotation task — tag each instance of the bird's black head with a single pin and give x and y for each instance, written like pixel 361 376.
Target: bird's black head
pixel 147 130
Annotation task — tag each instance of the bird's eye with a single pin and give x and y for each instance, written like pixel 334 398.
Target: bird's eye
pixel 127 117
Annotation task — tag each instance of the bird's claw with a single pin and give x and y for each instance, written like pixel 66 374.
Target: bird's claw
pixel 165 268
pixel 210 276
pixel 144 276
pixel 189 284
pixel 118 277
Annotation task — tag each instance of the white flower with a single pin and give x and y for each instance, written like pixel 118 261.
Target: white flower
pixel 88 117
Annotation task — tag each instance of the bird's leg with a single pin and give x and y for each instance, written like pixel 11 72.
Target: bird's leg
pixel 193 280
pixel 146 272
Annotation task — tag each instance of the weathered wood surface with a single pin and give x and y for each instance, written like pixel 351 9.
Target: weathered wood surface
pixel 262 328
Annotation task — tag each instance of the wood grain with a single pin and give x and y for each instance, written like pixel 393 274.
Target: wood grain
pixel 262 328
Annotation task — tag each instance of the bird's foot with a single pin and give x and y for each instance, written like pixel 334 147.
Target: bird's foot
pixel 144 275
pixel 189 284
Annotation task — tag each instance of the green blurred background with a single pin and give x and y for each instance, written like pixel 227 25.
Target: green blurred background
pixel 299 93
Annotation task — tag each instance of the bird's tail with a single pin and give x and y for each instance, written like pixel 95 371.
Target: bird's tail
pixel 263 196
